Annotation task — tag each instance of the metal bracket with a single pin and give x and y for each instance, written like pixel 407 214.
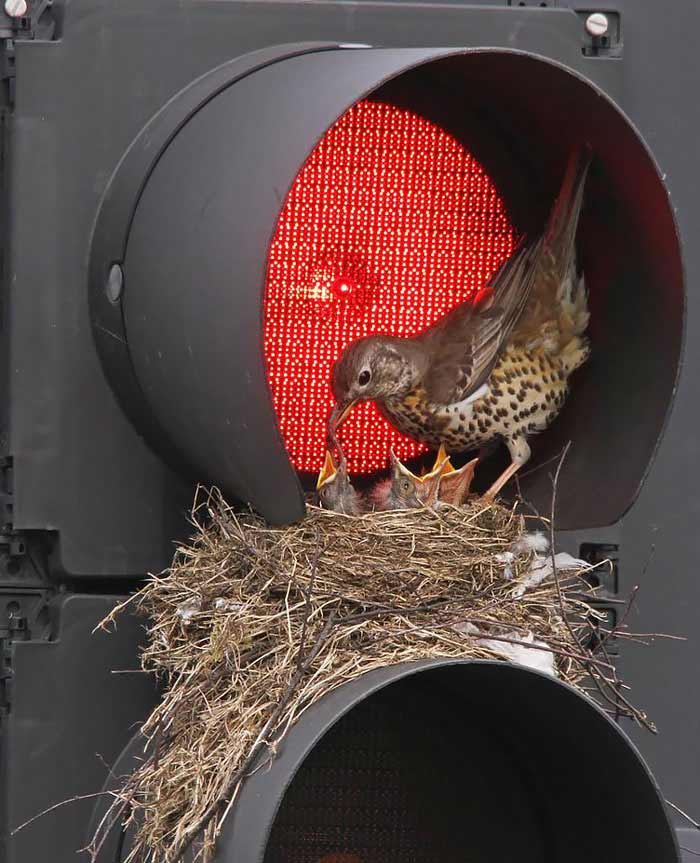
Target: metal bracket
pixel 37 22
pixel 602 33
pixel 24 616
pixel 6 494
pixel 12 543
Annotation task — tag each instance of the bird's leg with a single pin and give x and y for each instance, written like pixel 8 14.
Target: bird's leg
pixel 519 450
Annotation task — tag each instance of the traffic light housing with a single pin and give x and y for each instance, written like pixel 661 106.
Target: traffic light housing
pixel 148 152
pixel 192 178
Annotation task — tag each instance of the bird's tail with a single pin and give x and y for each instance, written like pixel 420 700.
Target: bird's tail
pixel 562 225
pixel 557 312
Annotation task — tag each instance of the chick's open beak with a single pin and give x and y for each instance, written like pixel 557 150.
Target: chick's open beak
pixel 440 468
pixel 442 461
pixel 328 471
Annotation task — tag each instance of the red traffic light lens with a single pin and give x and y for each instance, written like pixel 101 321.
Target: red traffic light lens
pixel 390 223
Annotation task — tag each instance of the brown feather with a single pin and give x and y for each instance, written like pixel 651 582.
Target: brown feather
pixel 466 342
pixel 551 315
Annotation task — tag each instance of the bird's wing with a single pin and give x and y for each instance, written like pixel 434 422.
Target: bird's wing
pixel 465 344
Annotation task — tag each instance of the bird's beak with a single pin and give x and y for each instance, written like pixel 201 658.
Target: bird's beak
pixel 442 460
pixel 440 468
pixel 338 415
pixel 328 471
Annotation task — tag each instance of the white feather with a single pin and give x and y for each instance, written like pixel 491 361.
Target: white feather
pixel 528 542
pixel 537 656
pixel 542 568
pixel 187 611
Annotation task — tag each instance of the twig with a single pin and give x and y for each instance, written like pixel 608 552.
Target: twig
pixel 307 602
pixel 55 806
pixel 588 664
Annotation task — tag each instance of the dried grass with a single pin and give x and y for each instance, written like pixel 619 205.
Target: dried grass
pixel 252 625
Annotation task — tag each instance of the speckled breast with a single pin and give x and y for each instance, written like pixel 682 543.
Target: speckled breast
pixel 526 391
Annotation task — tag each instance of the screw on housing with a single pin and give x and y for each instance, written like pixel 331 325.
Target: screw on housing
pixel 597 24
pixel 16 8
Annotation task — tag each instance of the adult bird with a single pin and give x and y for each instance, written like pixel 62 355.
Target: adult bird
pixel 496 367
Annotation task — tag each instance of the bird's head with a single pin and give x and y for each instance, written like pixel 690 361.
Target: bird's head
pixel 376 368
pixel 407 490
pixel 334 489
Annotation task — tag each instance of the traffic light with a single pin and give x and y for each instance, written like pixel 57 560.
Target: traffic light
pixel 180 256
pixel 206 201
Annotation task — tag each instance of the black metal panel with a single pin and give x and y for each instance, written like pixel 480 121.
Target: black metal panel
pixel 70 715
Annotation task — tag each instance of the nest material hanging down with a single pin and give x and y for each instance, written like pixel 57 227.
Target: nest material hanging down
pixel 251 625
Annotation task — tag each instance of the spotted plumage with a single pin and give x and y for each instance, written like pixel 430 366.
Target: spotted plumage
pixel 526 391
pixel 498 367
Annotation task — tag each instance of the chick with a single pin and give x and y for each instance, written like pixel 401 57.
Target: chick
pixel 405 490
pixel 455 484
pixel 335 491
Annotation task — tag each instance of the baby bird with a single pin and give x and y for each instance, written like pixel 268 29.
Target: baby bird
pixel 334 490
pixel 455 484
pixel 404 490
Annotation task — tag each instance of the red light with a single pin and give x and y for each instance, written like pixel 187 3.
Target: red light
pixel 342 287
pixel 389 224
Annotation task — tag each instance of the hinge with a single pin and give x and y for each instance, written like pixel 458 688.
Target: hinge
pixel 26 20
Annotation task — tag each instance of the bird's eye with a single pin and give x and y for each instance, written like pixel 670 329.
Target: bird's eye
pixel 405 484
pixel 363 377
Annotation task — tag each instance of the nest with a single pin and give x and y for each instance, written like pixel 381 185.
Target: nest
pixel 252 625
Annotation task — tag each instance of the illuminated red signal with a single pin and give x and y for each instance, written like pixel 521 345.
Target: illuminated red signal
pixel 389 224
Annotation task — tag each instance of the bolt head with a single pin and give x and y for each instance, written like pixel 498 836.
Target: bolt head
pixel 115 283
pixel 597 24
pixel 16 8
